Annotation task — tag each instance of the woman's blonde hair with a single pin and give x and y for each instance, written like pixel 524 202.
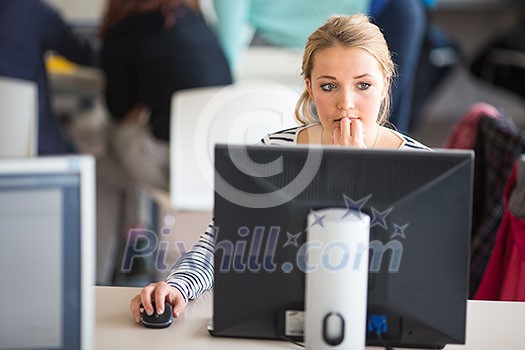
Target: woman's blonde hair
pixel 348 31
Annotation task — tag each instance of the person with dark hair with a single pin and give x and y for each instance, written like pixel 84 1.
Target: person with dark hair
pixel 150 49
pixel 28 30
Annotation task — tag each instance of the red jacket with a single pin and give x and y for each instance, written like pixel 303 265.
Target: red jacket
pixel 504 277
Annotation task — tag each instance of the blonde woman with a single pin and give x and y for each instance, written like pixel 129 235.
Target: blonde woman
pixel 348 73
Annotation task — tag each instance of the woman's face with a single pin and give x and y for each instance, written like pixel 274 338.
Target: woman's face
pixel 347 82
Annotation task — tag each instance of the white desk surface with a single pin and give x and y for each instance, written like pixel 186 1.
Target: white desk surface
pixel 490 326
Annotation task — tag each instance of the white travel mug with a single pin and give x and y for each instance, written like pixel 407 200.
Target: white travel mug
pixel 336 272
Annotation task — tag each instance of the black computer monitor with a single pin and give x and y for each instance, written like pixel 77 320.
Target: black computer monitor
pixel 420 207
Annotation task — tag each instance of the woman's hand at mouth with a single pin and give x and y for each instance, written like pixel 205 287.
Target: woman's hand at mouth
pixel 349 133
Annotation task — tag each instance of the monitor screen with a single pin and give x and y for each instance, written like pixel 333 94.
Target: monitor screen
pixel 420 208
pixel 47 225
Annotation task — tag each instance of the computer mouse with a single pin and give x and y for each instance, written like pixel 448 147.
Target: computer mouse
pixel 157 321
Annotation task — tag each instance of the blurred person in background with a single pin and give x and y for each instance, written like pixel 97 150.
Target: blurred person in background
pixel 150 49
pixel 28 30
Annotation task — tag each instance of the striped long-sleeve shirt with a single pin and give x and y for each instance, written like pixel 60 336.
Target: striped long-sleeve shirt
pixel 193 273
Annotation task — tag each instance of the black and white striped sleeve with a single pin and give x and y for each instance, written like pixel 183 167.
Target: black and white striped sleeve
pixel 284 137
pixel 192 275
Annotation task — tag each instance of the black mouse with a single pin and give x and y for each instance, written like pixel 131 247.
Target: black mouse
pixel 157 321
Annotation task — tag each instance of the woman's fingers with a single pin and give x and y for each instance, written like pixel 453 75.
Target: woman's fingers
pixel 349 133
pixel 134 306
pixel 160 292
pixel 178 303
pixel 145 297
pixel 356 130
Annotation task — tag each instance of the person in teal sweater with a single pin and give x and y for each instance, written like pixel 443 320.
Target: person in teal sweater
pixel 282 23
pixel 287 23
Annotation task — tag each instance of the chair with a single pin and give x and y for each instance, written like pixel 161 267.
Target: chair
pixel 241 113
pixel 504 276
pixel 18 118
pixel 498 143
